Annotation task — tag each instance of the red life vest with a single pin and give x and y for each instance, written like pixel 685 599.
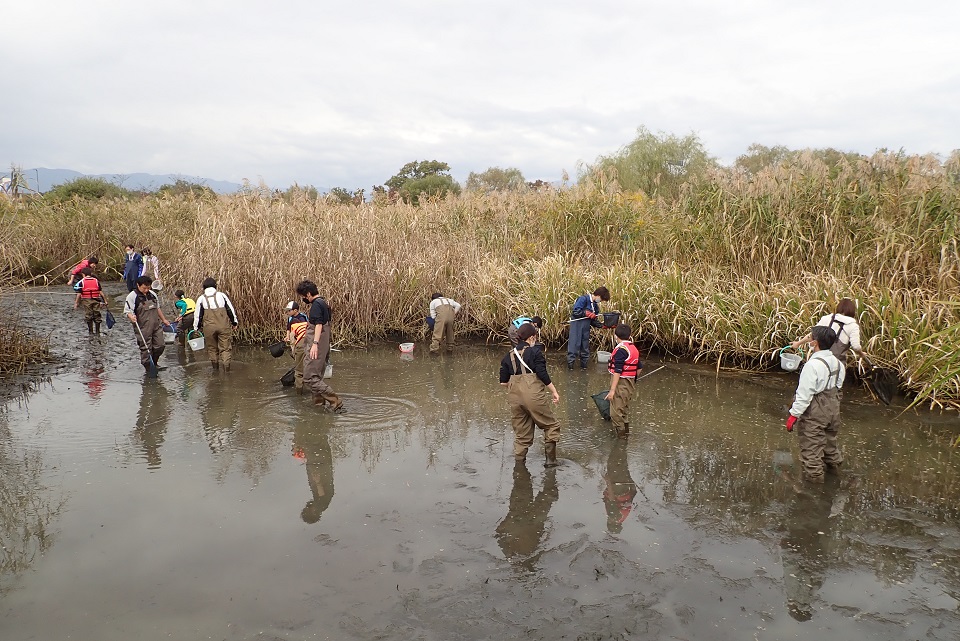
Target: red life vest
pixel 89 288
pixel 632 365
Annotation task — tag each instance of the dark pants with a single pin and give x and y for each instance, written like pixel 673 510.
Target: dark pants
pixel 579 343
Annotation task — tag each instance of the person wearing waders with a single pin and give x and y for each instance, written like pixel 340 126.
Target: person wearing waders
pixel 297 323
pixel 91 297
pixel 142 308
pixel 584 314
pixel 77 272
pixel 816 409
pixel 624 366
pixel 515 324
pixel 186 307
pixel 443 311
pixel 525 376
pixel 317 347
pixel 132 267
pixel 844 323
pixel 216 318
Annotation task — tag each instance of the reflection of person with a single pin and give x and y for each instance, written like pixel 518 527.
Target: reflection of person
pixel 805 553
pixel 816 407
pixel 91 297
pixel 132 267
pixel 313 446
pixel 297 323
pixel 142 308
pixel 584 314
pixel 443 311
pixel 318 340
pixel 515 324
pixel 844 323
pixel 525 376
pixel 75 273
pixel 521 530
pixel 152 422
pixel 217 318
pixel 624 366
pixel 619 488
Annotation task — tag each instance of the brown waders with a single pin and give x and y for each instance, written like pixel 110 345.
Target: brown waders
pixel 91 314
pixel 443 332
pixel 217 334
pixel 620 403
pixel 183 326
pixel 530 404
pixel 298 351
pixel 313 368
pixel 817 430
pixel 148 318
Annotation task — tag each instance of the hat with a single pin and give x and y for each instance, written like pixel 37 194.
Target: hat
pixel 292 305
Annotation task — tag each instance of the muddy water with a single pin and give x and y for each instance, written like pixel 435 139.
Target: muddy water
pixel 223 506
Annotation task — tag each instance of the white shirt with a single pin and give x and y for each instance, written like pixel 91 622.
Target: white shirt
pixel 848 334
pixel 816 374
pixel 213 299
pixel 437 302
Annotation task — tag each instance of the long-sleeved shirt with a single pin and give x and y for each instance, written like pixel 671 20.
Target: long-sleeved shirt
pixel 151 264
pixel 847 329
pixel 584 303
pixel 134 298
pixel 821 370
pixel 212 299
pixel 533 356
pixel 437 302
pixel 133 267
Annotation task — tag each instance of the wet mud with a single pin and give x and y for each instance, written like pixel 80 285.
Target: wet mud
pixel 224 506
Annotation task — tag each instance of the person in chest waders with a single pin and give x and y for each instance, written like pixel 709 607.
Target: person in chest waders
pixel 216 317
pixel 142 308
pixel 525 376
pixel 317 347
pixel 297 323
pixel 444 311
pixel 91 297
pixel 816 409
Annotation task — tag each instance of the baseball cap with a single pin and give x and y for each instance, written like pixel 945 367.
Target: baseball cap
pixel 292 305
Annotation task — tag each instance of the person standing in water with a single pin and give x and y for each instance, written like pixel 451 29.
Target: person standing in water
pixel 444 312
pixel 217 318
pixel 583 316
pixel 142 309
pixel 844 323
pixel 91 297
pixel 515 324
pixel 529 391
pixel 297 323
pixel 77 272
pixel 132 267
pixel 624 366
pixel 185 310
pixel 317 347
pixel 151 264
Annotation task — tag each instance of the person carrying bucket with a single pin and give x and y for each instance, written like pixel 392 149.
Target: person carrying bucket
pixel 515 324
pixel 584 314
pixel 132 267
pixel 443 311
pixel 216 318
pixel 90 296
pixel 142 308
pixel 624 366
pixel 317 347
pixel 297 323
pixel 816 408
pixel 529 389
pixel 185 311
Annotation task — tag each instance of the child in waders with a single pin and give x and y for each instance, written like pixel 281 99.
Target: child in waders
pixel 443 311
pixel 216 317
pixel 185 311
pixel 77 272
pixel 90 296
pixel 525 376
pixel 816 409
pixel 297 323
pixel 515 324
pixel 142 308
pixel 624 366
pixel 317 347
pixel 583 316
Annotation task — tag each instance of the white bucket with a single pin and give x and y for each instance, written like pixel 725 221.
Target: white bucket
pixel 168 337
pixel 603 357
pixel 790 362
pixel 196 344
pixel 328 371
pixel 406 348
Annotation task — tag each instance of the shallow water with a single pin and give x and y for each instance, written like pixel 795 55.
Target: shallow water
pixel 203 505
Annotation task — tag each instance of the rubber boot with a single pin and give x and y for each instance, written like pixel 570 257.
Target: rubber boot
pixel 319 400
pixel 335 403
pixel 90 327
pixel 550 448
pixel 96 328
pixel 625 431
pixel 215 365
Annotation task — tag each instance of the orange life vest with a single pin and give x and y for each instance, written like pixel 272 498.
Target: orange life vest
pixel 89 288
pixel 632 365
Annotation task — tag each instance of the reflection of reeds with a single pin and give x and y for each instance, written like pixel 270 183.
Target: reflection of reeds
pixel 729 272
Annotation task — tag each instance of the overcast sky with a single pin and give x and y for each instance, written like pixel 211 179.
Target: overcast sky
pixel 344 93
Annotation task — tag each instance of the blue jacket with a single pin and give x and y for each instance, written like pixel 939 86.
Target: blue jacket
pixel 584 303
pixel 132 267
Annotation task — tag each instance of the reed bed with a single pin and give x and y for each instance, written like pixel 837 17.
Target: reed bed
pixel 727 273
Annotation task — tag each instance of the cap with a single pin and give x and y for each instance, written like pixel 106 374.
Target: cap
pixel 292 305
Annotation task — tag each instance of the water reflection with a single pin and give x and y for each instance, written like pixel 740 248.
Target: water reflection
pixel 619 488
pixel 312 445
pixel 521 531
pixel 152 417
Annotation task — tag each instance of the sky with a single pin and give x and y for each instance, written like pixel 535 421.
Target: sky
pixel 345 93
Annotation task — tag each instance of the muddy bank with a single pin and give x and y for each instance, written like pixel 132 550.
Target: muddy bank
pixel 225 506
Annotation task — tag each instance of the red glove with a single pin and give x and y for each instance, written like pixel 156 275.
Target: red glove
pixel 589 314
pixel 791 421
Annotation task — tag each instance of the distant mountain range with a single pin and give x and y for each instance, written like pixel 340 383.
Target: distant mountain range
pixel 43 179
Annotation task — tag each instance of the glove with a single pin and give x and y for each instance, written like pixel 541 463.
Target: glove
pixel 589 314
pixel 791 421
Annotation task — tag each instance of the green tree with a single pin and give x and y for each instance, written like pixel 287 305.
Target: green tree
pixel 340 195
pixel 422 178
pixel 656 164
pixel 182 187
pixel 760 157
pixel 86 188
pixel 496 179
